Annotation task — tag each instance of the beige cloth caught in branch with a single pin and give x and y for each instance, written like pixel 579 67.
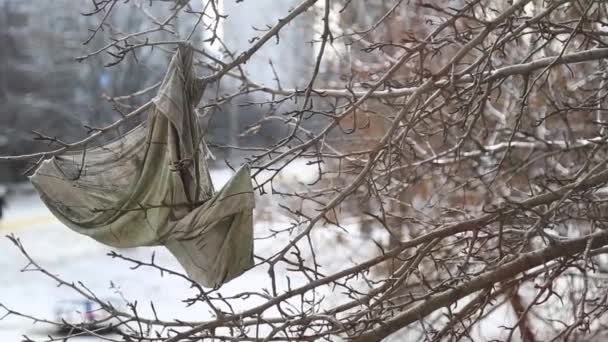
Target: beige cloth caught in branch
pixel 152 187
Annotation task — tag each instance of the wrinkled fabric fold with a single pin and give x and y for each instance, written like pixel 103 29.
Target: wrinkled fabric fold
pixel 152 187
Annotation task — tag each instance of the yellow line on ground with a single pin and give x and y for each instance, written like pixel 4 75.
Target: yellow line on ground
pixel 7 225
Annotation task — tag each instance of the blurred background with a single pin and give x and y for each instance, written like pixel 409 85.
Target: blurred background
pixel 44 88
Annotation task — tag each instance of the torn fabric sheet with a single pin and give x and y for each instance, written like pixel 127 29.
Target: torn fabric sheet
pixel 152 187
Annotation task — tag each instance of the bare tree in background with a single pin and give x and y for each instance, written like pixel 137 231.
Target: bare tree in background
pixel 472 134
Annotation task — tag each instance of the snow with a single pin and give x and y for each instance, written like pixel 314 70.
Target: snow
pixel 78 258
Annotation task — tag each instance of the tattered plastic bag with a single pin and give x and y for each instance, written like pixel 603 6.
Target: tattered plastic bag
pixel 152 187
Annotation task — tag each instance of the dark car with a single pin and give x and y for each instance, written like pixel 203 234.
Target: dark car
pixel 84 317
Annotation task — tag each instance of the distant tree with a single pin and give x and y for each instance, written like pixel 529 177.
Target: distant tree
pixel 44 90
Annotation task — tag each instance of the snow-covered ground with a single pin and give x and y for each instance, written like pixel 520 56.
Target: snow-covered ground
pixel 79 258
pixel 74 258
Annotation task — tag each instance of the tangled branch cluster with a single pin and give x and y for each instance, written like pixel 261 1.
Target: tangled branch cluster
pixel 472 134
